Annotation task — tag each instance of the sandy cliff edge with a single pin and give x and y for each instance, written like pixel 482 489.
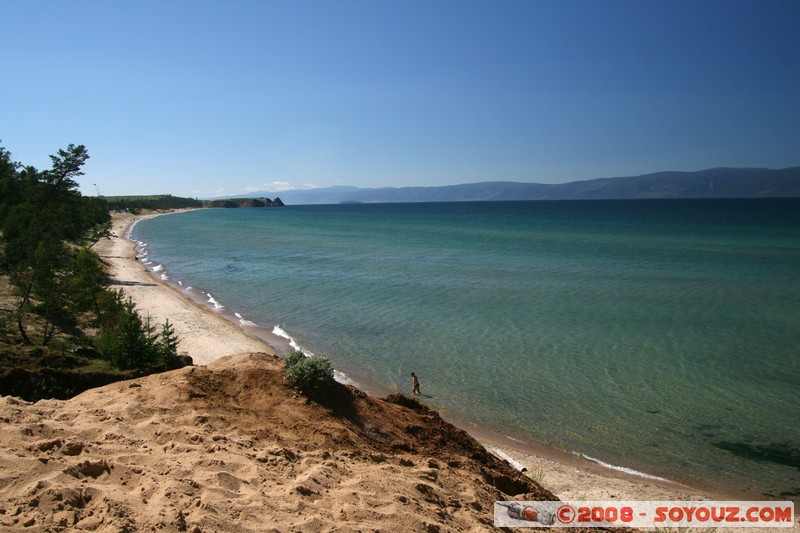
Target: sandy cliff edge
pixel 230 446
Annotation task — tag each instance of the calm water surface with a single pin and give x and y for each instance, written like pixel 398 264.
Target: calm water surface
pixel 662 336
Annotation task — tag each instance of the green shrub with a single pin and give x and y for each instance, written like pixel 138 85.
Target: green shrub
pixel 129 341
pixel 293 357
pixel 310 374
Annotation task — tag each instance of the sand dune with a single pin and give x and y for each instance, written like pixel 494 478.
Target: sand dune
pixel 232 447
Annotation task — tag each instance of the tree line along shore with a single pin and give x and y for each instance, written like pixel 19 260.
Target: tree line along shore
pixel 163 202
pixel 62 329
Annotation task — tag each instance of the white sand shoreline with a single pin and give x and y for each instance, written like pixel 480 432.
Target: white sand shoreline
pixel 204 335
pixel 207 336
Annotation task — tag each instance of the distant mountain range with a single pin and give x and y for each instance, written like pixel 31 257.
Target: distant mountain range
pixel 712 183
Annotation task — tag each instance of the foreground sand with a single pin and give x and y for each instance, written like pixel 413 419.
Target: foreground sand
pixel 231 447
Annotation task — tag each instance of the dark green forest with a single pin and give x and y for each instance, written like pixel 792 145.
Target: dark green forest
pixel 62 329
pixel 136 204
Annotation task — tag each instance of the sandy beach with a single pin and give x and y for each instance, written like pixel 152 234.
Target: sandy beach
pixel 205 335
pixel 229 446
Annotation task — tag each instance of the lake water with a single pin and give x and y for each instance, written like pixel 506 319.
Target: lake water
pixel 661 336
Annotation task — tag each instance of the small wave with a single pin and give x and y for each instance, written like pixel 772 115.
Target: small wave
pixel 215 303
pixel 180 283
pixel 243 321
pixel 130 228
pixel 630 471
pixel 158 268
pixel 280 332
pixel 343 378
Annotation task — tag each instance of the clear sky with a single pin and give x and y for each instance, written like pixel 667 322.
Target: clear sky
pixel 202 98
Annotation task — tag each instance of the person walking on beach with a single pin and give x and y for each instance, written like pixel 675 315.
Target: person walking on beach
pixel 416 384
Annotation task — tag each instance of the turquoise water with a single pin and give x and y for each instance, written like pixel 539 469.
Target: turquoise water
pixel 662 336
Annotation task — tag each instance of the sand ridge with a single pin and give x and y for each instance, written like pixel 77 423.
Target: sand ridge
pixel 232 447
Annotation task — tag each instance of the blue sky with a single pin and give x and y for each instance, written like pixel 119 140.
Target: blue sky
pixel 199 98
